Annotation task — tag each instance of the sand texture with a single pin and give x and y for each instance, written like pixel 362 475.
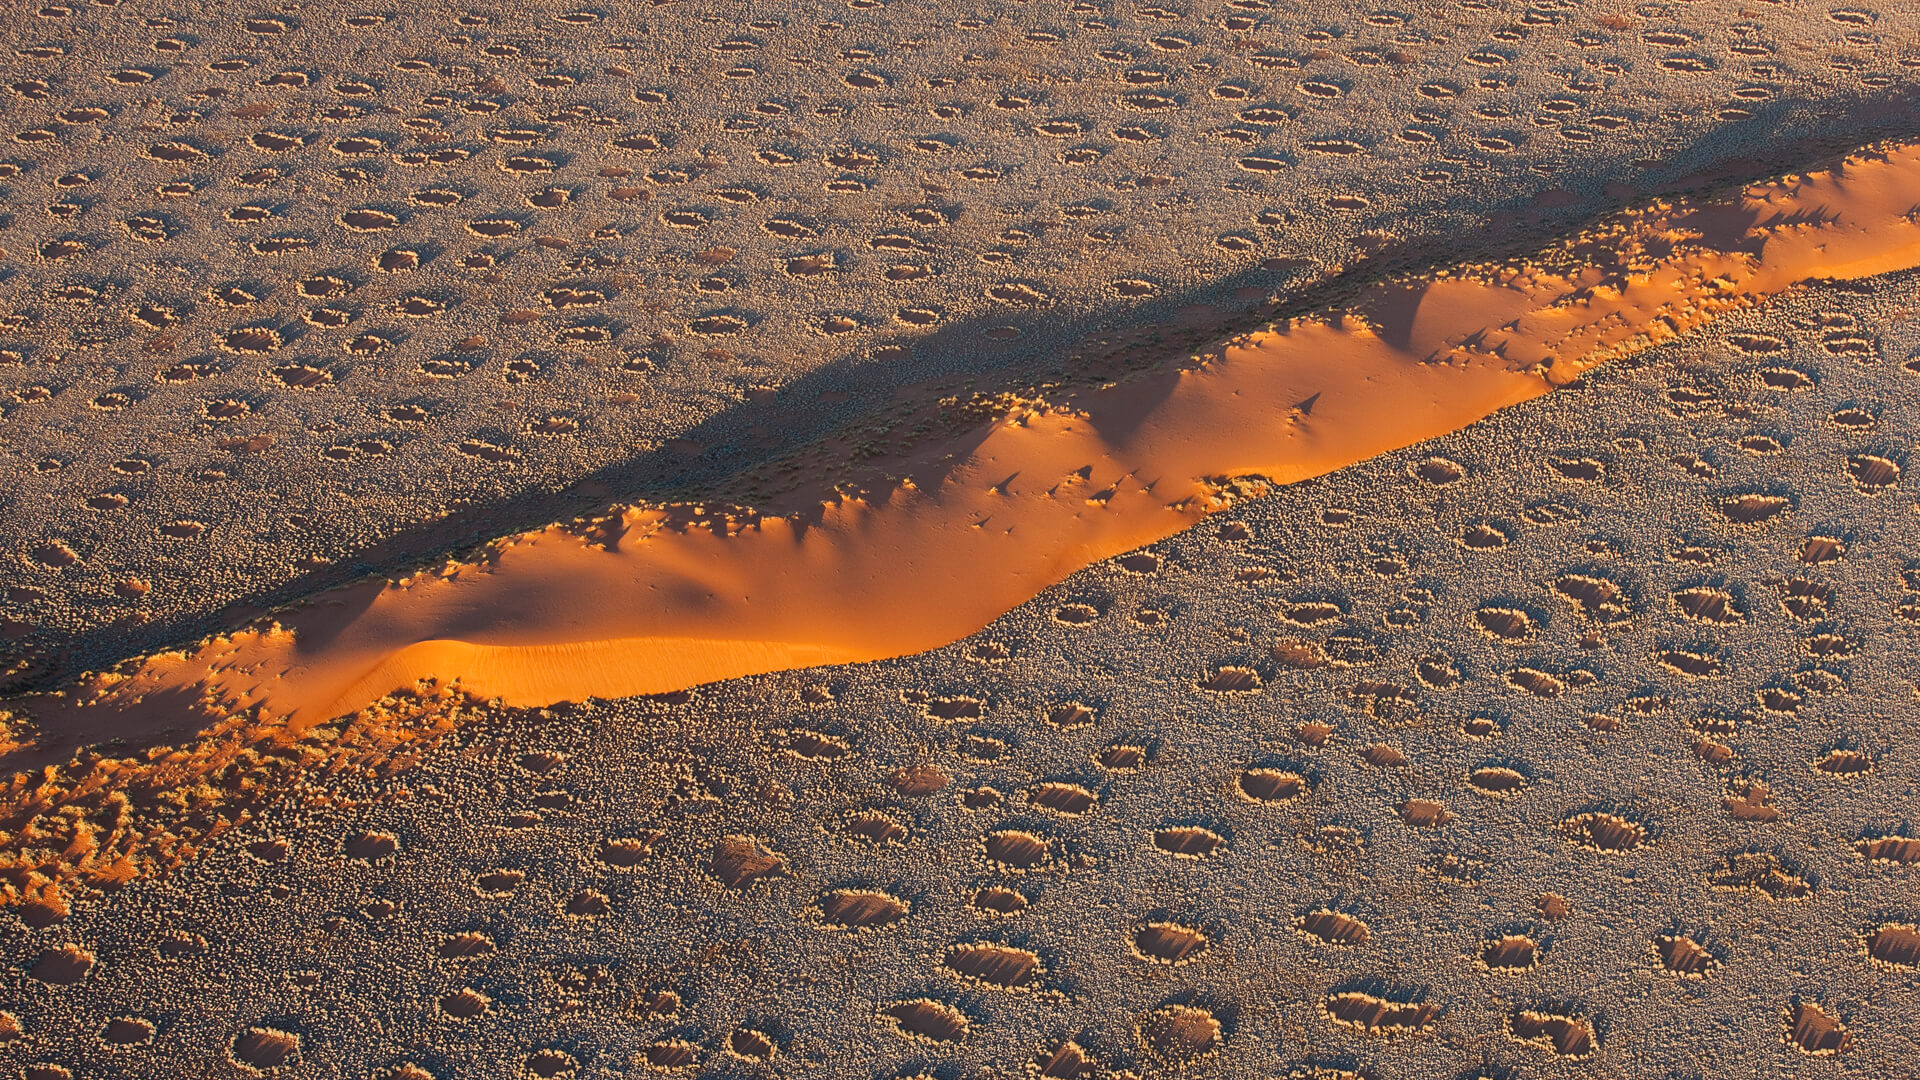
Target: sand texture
pixel 888 540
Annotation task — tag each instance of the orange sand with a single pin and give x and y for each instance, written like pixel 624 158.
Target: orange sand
pixel 956 529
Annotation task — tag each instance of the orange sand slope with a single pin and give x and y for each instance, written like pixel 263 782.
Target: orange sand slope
pixel 948 532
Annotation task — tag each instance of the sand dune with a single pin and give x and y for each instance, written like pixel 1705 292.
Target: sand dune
pixel 931 539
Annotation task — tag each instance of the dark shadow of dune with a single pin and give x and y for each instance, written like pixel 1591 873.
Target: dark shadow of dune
pixel 982 355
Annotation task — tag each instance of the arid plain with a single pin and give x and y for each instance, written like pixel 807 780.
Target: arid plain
pixel 899 540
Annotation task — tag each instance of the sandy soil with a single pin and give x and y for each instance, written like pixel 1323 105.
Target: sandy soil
pixel 1171 623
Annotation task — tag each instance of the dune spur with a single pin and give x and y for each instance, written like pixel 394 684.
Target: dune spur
pixel 960 509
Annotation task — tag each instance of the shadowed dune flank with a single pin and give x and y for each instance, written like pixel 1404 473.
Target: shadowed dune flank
pixel 976 505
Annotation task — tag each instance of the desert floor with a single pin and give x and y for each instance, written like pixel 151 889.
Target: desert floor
pixel 1020 539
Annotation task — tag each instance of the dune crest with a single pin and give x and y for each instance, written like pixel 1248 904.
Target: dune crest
pixel 931 538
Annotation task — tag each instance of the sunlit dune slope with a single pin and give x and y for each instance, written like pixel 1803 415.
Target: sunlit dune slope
pixel 933 535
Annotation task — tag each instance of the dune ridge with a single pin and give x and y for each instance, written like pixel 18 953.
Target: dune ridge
pixel 944 526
